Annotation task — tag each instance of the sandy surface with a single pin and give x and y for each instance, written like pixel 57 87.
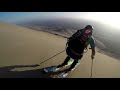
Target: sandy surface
pixel 22 48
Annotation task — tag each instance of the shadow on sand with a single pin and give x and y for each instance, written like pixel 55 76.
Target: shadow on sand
pixel 6 72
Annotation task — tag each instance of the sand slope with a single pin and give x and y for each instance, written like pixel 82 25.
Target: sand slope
pixel 22 46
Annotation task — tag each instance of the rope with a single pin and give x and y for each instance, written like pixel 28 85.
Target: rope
pixel 91 69
pixel 51 57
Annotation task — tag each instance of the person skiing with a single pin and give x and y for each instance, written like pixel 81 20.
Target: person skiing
pixel 76 45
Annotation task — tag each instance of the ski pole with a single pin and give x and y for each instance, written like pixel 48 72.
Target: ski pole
pixel 91 69
pixel 51 57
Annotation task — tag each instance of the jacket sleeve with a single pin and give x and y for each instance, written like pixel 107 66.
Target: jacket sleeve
pixel 92 42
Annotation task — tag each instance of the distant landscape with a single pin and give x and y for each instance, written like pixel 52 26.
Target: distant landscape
pixel 107 38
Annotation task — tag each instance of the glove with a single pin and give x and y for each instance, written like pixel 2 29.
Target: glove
pixel 92 57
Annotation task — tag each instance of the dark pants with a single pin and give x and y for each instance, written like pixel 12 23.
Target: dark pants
pixel 66 62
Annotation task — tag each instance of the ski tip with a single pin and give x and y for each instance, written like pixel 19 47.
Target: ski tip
pixel 45 70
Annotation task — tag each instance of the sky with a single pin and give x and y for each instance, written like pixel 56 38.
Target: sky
pixel 22 16
pixel 110 18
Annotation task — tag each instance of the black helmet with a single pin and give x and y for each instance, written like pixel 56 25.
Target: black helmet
pixel 89 27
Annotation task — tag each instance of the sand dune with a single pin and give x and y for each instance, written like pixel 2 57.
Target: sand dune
pixel 22 46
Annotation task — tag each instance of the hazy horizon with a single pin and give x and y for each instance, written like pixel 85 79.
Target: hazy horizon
pixel 107 18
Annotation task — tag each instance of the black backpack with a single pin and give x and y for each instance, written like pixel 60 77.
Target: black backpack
pixel 77 43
